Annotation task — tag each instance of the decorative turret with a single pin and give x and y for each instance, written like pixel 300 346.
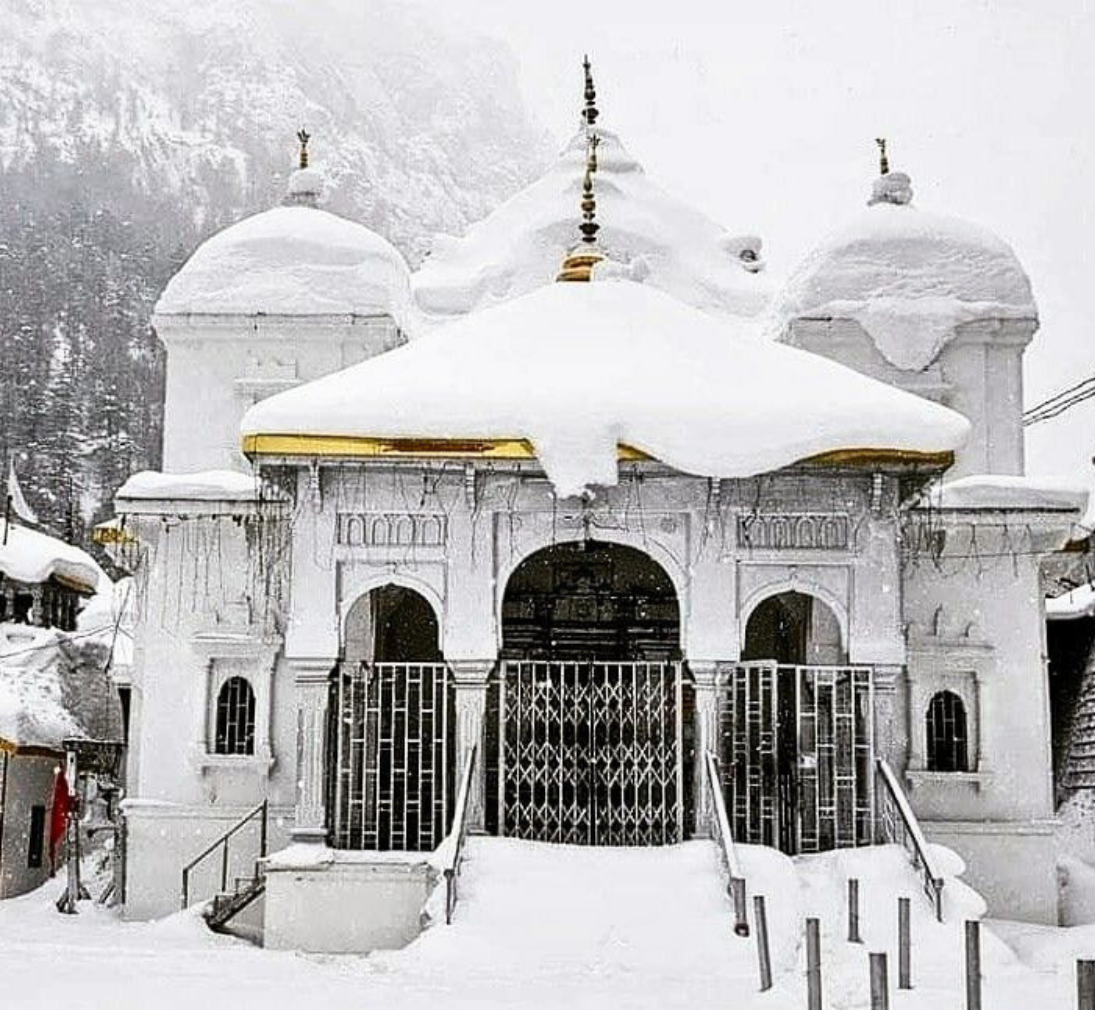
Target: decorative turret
pixel 889 187
pixel 590 112
pixel 305 184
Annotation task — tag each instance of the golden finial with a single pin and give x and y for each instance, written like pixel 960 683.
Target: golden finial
pixel 883 161
pixel 590 112
pixel 303 136
pixel 579 263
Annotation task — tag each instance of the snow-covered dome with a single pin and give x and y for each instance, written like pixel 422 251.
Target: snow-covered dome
pixel 907 276
pixel 292 260
pixel 519 246
pixel 576 370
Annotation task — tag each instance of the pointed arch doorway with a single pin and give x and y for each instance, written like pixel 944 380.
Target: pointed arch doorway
pixel 590 714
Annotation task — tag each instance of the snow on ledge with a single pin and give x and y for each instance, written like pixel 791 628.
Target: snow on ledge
pixel 33 557
pixel 998 491
pixel 578 369
pixel 1073 605
pixel 205 485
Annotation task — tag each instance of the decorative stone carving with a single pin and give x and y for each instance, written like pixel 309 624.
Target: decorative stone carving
pixel 391 529
pixel 824 531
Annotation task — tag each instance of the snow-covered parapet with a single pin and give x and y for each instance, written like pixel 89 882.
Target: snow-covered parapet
pixel 1004 492
pixel 907 276
pixel 578 369
pixel 205 485
pixel 292 260
pixel 520 245
pixel 32 557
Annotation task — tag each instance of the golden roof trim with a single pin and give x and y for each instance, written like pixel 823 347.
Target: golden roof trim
pixel 367 447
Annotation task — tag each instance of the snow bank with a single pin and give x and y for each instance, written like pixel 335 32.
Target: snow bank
pixel 205 485
pixel 30 556
pixel 997 491
pixel 296 261
pixel 908 277
pixel 521 245
pixel 579 368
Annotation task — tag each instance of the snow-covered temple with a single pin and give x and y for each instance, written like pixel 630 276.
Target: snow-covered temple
pixel 576 534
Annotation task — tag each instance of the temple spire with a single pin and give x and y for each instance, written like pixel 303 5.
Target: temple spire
pixel 590 112
pixel 890 187
pixel 305 184
pixel 883 161
pixel 303 136
pixel 579 263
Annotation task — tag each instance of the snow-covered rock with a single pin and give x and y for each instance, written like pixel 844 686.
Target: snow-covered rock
pixel 578 369
pixel 521 245
pixel 297 261
pixel 30 556
pixel 908 277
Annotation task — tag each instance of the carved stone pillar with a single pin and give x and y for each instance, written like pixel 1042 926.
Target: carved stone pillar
pixel 708 679
pixel 891 729
pixel 311 681
pixel 470 680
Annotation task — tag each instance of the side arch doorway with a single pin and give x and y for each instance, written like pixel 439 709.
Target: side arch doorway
pixel 588 723
pixel 797 731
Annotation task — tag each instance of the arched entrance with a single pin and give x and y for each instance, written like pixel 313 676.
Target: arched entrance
pixel 798 731
pixel 589 721
pixel 390 785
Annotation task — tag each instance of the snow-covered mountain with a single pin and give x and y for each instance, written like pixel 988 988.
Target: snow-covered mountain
pixel 419 125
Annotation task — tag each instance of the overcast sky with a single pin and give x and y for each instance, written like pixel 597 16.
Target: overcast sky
pixel 763 114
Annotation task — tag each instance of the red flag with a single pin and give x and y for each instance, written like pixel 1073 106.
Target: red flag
pixel 58 821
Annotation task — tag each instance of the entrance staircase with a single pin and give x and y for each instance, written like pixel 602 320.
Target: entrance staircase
pixel 1080 762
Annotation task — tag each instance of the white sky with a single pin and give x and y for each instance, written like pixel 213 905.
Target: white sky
pixel 763 114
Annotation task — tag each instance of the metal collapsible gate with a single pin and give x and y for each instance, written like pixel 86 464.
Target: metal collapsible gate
pixel 392 783
pixel 591 752
pixel 798 750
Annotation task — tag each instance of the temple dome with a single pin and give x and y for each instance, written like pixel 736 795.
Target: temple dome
pixel 519 246
pixel 292 260
pixel 907 276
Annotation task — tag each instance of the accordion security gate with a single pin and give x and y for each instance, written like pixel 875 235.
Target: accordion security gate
pixel 391 786
pixel 591 752
pixel 798 753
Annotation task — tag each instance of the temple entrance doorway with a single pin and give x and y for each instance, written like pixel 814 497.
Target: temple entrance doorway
pixel 589 715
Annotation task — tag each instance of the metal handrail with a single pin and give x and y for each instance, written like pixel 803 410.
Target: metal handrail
pixel 222 843
pixel 459 833
pixel 910 834
pixel 724 838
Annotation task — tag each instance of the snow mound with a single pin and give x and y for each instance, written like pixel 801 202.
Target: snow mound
pixel 578 369
pixel 1001 491
pixel 909 278
pixel 30 556
pixel 521 245
pixel 204 485
pixel 296 261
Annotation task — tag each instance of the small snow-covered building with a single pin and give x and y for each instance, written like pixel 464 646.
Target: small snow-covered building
pixel 578 537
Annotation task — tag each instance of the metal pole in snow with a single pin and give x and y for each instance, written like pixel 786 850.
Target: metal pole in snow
pixel 904 944
pixel 973 965
pixel 813 964
pixel 764 956
pixel 1085 985
pixel 853 911
pixel 880 990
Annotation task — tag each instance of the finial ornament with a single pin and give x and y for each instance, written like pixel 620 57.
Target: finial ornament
pixel 883 160
pixel 590 112
pixel 303 136
pixel 589 226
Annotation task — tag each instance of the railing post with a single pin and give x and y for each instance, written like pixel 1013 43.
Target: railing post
pixel 813 964
pixel 186 890
pixel 880 992
pixel 224 866
pixel 904 944
pixel 262 829
pixel 764 955
pixel 853 911
pixel 1085 985
pixel 737 894
pixel 973 965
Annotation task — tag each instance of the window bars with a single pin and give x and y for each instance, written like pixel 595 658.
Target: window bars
pixel 948 736
pixel 235 722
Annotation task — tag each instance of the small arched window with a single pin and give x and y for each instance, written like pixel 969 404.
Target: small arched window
pixel 948 737
pixel 235 729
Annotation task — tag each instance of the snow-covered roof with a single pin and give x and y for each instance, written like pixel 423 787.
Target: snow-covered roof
pixel 31 556
pixel 295 260
pixel 1070 606
pixel 1000 491
pixel 203 485
pixel 908 277
pixel 520 245
pixel 577 369
pixel 50 690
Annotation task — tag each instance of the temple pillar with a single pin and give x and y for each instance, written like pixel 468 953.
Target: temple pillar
pixel 708 679
pixel 891 729
pixel 312 685
pixel 470 679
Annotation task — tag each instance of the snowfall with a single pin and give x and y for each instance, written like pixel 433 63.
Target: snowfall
pixel 543 926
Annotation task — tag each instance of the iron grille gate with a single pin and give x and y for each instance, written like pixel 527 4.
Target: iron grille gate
pixel 798 748
pixel 392 785
pixel 591 752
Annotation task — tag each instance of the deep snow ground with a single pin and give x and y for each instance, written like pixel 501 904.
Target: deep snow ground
pixel 548 926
